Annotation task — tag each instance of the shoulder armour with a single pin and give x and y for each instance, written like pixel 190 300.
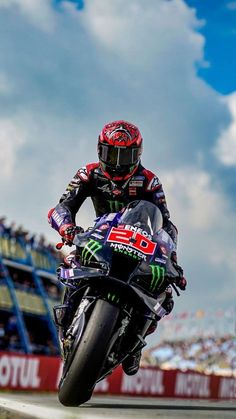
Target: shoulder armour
pixel 85 172
pixel 90 169
pixel 153 182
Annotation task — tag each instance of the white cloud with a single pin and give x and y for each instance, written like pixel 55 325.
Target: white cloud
pixel 231 5
pixel 199 198
pixel 207 231
pixel 136 35
pixel 12 137
pixel 39 13
pixel 225 149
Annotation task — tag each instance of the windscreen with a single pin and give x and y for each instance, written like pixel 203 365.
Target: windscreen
pixel 144 215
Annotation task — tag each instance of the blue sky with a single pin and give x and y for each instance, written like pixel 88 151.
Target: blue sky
pixel 66 71
pixel 219 30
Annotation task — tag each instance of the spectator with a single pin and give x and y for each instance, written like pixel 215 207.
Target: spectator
pixel 11 326
pixel 14 344
pixel 2 225
pixel 3 341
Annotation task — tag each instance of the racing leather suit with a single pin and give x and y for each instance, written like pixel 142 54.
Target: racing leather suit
pixel 109 196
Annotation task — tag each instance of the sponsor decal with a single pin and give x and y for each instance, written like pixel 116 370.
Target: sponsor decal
pixel 144 382
pixel 82 173
pixel 105 188
pixel 154 184
pixel 158 276
pixel 165 236
pixel 192 385
pixel 132 191
pixel 160 311
pixel 115 206
pixel 227 388
pixel 136 183
pixel 159 260
pixel 91 248
pixel 117 192
pixel 132 239
pixel 135 228
pixel 163 249
pixel 104 227
pixel 159 195
pixel 97 236
pixel 58 218
pixel 113 297
pixel 128 251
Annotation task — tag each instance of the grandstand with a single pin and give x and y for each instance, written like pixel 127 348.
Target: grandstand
pixel 28 291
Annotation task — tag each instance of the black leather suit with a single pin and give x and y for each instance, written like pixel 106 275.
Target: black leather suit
pixel 109 196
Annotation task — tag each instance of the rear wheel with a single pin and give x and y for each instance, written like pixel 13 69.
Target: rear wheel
pixel 78 384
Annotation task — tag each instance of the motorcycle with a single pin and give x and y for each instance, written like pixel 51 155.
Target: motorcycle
pixel 116 282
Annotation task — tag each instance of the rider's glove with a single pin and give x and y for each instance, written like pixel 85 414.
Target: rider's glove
pixel 67 231
pixel 180 281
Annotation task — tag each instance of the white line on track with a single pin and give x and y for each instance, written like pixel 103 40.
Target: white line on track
pixel 46 406
pixel 38 412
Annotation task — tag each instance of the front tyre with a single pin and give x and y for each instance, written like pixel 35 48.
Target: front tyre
pixel 77 386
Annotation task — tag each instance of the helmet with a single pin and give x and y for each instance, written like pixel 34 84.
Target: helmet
pixel 119 149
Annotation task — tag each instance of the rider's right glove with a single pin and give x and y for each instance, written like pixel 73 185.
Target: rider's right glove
pixel 181 283
pixel 67 231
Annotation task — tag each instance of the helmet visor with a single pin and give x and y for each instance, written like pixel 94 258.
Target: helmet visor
pixel 118 156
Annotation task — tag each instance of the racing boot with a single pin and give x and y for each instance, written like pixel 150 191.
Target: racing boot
pixel 168 303
pixel 131 364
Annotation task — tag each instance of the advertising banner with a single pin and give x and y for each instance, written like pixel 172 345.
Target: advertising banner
pixel 26 372
pixel 42 373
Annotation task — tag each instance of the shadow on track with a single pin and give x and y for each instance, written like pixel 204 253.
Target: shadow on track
pixel 160 407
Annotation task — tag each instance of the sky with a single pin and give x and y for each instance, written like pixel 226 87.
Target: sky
pixel 69 67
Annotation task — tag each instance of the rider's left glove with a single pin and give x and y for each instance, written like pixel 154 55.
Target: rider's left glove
pixel 67 231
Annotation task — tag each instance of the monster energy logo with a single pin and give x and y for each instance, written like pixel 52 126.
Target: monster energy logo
pixel 115 206
pixel 90 250
pixel 158 274
pixel 113 297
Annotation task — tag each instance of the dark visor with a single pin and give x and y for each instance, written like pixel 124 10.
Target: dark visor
pixel 118 156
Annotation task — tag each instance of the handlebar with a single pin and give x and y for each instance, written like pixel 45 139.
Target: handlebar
pixel 77 230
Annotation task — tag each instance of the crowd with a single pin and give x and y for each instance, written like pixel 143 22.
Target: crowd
pixel 34 241
pixel 211 355
pixel 10 340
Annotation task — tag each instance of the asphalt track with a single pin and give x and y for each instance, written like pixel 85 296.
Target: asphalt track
pixel 32 406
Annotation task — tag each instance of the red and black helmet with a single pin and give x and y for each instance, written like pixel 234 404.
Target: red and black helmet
pixel 119 149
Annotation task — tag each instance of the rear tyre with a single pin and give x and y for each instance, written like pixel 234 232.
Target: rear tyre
pixel 78 384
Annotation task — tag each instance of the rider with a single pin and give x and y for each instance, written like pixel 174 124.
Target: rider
pixel 117 179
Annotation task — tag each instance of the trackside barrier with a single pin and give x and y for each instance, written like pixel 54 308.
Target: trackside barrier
pixel 42 373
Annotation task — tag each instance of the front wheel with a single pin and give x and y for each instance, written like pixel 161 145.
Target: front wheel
pixel 78 384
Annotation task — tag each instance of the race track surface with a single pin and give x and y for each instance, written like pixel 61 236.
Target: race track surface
pixel 32 406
